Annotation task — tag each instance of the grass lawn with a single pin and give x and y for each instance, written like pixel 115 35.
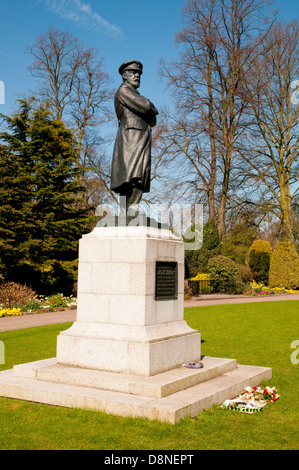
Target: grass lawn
pixel 258 334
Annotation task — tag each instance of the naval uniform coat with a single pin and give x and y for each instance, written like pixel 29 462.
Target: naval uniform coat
pixel 132 150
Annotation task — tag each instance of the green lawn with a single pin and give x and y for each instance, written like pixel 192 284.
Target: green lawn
pixel 258 334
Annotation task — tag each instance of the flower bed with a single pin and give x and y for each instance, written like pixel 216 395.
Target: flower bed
pixel 258 288
pixel 57 301
pixel 40 304
pixel 7 312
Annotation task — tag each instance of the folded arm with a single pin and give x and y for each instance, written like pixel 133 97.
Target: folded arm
pixel 138 104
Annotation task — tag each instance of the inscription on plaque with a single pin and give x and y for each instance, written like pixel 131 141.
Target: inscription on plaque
pixel 166 280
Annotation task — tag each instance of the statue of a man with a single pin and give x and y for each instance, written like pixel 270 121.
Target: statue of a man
pixel 131 164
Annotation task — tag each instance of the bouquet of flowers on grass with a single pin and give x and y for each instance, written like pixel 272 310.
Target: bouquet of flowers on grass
pixel 261 394
pixel 237 404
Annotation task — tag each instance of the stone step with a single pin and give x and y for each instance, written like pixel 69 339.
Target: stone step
pixel 172 408
pixel 156 386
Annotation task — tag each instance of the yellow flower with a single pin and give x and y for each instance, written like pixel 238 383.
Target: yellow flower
pixel 5 312
pixel 201 277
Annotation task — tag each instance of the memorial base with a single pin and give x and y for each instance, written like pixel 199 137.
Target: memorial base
pixel 130 314
pixel 167 397
pixel 124 353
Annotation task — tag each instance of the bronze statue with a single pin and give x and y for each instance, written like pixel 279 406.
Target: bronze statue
pixel 131 164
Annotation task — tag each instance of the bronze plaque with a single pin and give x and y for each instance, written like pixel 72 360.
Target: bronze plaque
pixel 166 280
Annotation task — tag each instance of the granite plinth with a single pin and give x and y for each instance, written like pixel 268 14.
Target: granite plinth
pixel 120 325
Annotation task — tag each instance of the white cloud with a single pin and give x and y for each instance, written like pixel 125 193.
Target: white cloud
pixel 83 14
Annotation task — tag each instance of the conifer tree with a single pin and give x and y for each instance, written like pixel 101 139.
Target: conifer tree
pixel 13 202
pixel 15 190
pixel 53 217
pixel 197 260
pixel 259 258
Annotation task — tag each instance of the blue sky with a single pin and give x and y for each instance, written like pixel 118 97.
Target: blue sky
pixel 120 30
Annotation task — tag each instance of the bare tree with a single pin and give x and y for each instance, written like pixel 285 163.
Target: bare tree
pixel 73 83
pixel 271 155
pixel 219 45
pixel 56 58
pixel 89 104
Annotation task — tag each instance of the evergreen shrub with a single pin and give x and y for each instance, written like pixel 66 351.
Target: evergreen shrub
pixel 236 243
pixel 48 278
pixel 284 267
pixel 259 258
pixel 245 273
pixel 225 275
pixel 197 260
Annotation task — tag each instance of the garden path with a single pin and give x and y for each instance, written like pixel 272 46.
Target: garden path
pixel 218 299
pixel 49 318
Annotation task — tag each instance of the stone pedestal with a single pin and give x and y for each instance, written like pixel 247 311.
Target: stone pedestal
pixel 124 354
pixel 121 324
